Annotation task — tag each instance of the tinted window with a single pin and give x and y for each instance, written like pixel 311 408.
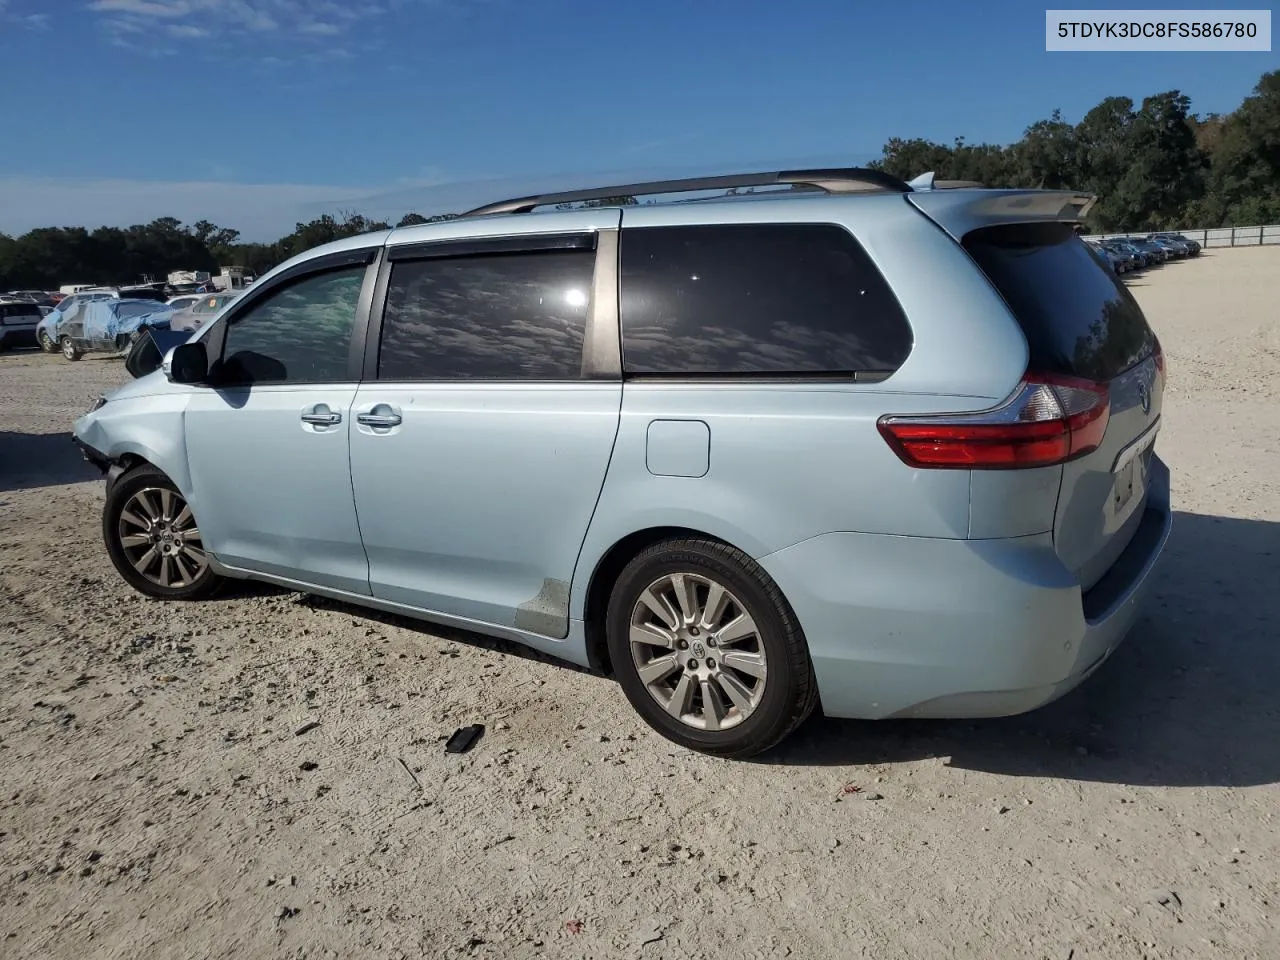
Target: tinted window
pixel 23 310
pixel 299 333
pixel 126 310
pixel 1079 319
pixel 755 299
pixel 515 316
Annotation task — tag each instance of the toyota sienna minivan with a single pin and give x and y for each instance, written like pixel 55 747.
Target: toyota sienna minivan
pixel 843 441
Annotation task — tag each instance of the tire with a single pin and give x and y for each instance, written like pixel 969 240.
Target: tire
pixel 69 349
pixel 45 344
pixel 728 709
pixel 143 523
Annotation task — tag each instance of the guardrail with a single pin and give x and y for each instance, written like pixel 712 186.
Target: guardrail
pixel 1215 236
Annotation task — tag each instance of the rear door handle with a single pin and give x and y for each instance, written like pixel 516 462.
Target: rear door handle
pixel 322 419
pixel 379 419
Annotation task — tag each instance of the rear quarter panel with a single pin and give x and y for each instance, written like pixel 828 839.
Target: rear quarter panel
pixel 790 461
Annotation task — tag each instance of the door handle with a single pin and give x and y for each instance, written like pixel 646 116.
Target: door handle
pixel 379 419
pixel 322 419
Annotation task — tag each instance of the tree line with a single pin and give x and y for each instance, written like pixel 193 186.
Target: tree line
pixel 1153 166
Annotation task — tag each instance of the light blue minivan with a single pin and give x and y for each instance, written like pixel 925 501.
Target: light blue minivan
pixel 881 446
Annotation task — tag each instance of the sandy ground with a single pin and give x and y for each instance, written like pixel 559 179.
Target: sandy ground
pixel 153 800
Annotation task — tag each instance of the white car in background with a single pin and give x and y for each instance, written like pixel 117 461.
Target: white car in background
pixel 206 307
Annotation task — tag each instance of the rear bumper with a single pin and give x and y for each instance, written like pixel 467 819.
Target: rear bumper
pixel 13 335
pixel 918 627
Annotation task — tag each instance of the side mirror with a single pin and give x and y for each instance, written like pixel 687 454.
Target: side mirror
pixel 186 363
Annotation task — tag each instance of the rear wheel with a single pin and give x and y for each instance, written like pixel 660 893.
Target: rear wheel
pixel 70 350
pixel 153 539
pixel 707 649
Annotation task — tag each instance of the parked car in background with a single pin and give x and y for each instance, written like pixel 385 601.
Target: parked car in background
pixel 1153 253
pixel 1176 248
pixel 67 311
pixel 183 301
pixel 1126 260
pixel 203 310
pixel 107 325
pixel 38 297
pixel 1192 246
pixel 18 320
pixel 1107 257
pixel 1142 255
pixel 720 450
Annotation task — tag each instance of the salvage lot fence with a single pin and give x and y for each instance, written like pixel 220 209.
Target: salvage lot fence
pixel 1215 236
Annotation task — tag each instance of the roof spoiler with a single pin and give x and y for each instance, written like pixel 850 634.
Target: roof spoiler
pixel 959 211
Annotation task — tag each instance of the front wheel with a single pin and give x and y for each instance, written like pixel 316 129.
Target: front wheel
pixel 153 540
pixel 708 650
pixel 47 345
pixel 70 350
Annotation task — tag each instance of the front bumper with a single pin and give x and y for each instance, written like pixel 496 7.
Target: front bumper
pixel 920 627
pixel 110 469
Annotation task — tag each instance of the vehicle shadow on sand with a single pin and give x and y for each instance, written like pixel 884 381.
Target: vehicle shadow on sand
pixel 32 460
pixel 1188 700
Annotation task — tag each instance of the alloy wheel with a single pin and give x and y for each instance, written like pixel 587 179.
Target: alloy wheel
pixel 160 538
pixel 698 651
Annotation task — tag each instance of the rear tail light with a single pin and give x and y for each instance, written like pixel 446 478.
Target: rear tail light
pixel 1159 358
pixel 1048 420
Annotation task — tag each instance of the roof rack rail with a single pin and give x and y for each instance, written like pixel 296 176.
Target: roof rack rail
pixel 831 180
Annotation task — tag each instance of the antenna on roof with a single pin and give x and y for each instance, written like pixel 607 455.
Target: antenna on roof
pixel 930 181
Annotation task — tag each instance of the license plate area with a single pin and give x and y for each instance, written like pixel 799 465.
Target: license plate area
pixel 1130 472
pixel 1122 492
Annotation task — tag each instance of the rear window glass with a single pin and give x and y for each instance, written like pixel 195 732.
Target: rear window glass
pixel 138 309
pixel 756 300
pixel 21 310
pixel 1078 317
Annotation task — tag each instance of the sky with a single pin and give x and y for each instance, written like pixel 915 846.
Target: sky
pixel 255 114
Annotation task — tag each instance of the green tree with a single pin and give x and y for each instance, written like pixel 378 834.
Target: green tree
pixel 1165 170
pixel 1244 178
pixel 1102 142
pixel 1045 157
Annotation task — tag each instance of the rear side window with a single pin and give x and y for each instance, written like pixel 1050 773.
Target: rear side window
pixel 1078 317
pixel 518 316
pixel 756 299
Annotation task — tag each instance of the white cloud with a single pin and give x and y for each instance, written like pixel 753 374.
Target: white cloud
pixel 146 8
pixel 185 31
pixel 30 21
pixel 314 18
